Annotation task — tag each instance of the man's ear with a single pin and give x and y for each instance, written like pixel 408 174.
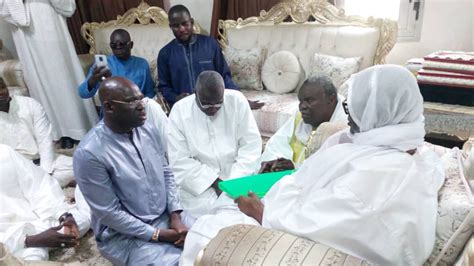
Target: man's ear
pixel 131 44
pixel 192 21
pixel 107 107
pixel 332 99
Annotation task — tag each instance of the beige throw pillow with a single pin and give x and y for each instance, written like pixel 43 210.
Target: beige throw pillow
pixel 281 72
pixel 339 69
pixel 246 67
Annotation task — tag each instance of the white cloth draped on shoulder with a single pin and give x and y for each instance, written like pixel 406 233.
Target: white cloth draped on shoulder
pixel 363 193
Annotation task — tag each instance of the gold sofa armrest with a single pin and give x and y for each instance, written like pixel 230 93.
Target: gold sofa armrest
pixel 86 60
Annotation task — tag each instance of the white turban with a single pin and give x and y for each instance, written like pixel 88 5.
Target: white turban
pixel 385 102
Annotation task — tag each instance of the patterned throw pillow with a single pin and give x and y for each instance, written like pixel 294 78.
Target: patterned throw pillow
pixel 337 68
pixel 455 221
pixel 246 66
pixel 281 72
pixel 255 245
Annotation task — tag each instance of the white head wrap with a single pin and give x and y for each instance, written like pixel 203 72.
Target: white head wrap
pixel 385 102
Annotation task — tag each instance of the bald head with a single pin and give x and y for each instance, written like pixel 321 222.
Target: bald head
pixel 120 32
pixel 115 88
pixel 122 104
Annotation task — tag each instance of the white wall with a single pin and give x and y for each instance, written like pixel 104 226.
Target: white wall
pixel 447 25
pixel 201 11
pixel 6 36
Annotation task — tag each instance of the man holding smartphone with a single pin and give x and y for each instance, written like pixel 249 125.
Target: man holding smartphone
pixel 121 63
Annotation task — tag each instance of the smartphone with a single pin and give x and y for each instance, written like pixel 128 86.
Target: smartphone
pixel 101 60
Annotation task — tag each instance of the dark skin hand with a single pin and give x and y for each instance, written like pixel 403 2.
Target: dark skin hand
pixel 255 105
pixel 51 238
pixel 70 227
pixel 251 206
pixel 181 96
pixel 97 75
pixel 280 164
pixel 177 225
pixel 215 186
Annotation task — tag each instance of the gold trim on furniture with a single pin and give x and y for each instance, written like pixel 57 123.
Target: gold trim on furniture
pixel 144 14
pixel 315 12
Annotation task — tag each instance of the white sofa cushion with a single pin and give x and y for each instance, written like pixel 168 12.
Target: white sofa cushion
pixel 337 68
pixel 281 72
pixel 246 67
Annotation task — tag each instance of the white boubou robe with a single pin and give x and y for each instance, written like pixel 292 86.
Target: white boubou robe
pixel 203 148
pixel 27 130
pixel 278 146
pixel 31 201
pixel 49 62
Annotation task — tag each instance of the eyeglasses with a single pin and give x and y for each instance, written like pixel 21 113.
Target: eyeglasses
pixel 345 107
pixel 177 25
pixel 131 103
pixel 207 106
pixel 115 45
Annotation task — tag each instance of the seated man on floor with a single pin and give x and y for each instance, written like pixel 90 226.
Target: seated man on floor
pixel 370 191
pixel 27 130
pixel 122 171
pixel 319 103
pixel 121 63
pixel 213 136
pixel 33 213
pixel 177 77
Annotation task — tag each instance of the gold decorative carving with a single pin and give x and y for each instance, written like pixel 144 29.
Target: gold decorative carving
pixel 315 12
pixel 143 14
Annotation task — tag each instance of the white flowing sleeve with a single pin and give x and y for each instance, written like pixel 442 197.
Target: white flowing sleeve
pixel 15 12
pixel 42 131
pixel 157 117
pixel 65 8
pixel 190 174
pixel 278 146
pixel 42 191
pixel 249 142
pixel 43 194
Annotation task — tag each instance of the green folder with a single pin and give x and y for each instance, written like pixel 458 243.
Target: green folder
pixel 259 184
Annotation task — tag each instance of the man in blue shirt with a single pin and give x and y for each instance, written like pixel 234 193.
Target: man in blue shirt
pixel 121 169
pixel 182 60
pixel 121 63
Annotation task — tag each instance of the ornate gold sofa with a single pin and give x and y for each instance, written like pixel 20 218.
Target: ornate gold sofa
pixel 305 27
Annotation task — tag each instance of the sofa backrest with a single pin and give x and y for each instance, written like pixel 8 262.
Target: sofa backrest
pixel 148 27
pixel 306 27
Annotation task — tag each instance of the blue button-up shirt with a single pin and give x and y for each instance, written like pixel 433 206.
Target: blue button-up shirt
pixel 126 180
pixel 135 69
pixel 179 65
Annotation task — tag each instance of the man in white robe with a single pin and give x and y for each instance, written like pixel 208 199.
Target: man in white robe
pixel 319 103
pixel 31 205
pixel 370 192
pixel 213 136
pixel 27 130
pixel 50 65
